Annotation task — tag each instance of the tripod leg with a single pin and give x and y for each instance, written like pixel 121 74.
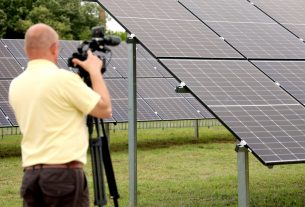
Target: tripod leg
pixel 97 171
pixel 109 171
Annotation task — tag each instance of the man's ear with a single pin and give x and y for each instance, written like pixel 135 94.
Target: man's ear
pixel 54 49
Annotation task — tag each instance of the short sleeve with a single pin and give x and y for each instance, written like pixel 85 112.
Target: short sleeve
pixel 78 94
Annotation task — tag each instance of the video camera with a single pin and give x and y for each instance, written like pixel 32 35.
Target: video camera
pixel 97 43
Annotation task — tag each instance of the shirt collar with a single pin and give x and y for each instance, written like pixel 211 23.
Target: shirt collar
pixel 41 62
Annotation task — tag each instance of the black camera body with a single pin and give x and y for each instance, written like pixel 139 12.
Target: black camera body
pixel 97 43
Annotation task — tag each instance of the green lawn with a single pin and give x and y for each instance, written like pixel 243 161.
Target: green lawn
pixel 176 170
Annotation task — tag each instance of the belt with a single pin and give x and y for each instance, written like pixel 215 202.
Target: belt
pixel 72 164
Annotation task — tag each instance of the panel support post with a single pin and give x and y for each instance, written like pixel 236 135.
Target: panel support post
pixel 243 175
pixel 132 120
pixel 196 128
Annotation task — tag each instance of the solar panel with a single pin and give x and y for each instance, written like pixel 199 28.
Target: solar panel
pixel 4 120
pixel 144 111
pixel 147 66
pixel 111 72
pixel 290 13
pixel 9 68
pixel 23 62
pixel 16 47
pixel 225 11
pixel 261 41
pixel 168 30
pixel 68 47
pixel 8 112
pixel 153 9
pixel 61 63
pixel 144 68
pixel 290 75
pixel 173 108
pixel 4 86
pixel 161 96
pixel 200 108
pixel 274 133
pixel 119 51
pixel 156 88
pixel 297 29
pixel 247 29
pixel 253 107
pixel 118 89
pixel 3 51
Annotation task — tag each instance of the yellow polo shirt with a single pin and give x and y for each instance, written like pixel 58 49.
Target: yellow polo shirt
pixel 50 105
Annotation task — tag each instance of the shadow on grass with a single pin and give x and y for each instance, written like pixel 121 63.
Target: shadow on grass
pixel 156 143
pixel 147 140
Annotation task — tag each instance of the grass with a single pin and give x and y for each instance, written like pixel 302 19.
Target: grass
pixel 176 170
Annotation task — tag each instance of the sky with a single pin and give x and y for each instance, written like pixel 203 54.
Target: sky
pixel 114 26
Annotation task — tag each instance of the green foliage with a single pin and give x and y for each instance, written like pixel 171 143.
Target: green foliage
pixel 70 18
pixel 3 19
pixel 122 35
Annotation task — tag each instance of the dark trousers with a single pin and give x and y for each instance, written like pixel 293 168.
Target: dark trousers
pixel 54 187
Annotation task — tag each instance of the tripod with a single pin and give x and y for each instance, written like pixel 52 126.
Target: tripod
pixel 101 162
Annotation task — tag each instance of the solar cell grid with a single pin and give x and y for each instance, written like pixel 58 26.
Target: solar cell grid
pixel 16 47
pixel 67 48
pixel 225 11
pixel 119 51
pixel 118 88
pixel 4 86
pixel 250 104
pixel 61 63
pixel 173 108
pixel 144 111
pixel 297 29
pixel 111 72
pixel 8 112
pixel 199 108
pixel 274 133
pixel 261 41
pixel 167 38
pixel 3 51
pixel 9 68
pixel 23 62
pixel 290 75
pixel 4 120
pixel 228 82
pixel 285 11
pixel 154 9
pixel 174 36
pixel 156 88
pixel 144 68
pixel 147 66
pixel 290 13
pixel 109 120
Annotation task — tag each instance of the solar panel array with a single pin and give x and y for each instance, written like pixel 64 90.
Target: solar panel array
pixel 13 61
pixel 242 60
pixel 290 14
pixel 248 29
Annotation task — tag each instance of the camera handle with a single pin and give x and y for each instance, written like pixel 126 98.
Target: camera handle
pixel 101 162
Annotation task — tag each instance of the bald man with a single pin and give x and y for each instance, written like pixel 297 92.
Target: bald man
pixel 50 106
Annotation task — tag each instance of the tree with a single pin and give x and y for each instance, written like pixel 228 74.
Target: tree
pixel 72 19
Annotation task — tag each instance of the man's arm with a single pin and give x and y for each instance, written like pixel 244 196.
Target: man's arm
pixel 93 65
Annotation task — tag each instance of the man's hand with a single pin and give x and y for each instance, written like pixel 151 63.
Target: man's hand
pixel 92 64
